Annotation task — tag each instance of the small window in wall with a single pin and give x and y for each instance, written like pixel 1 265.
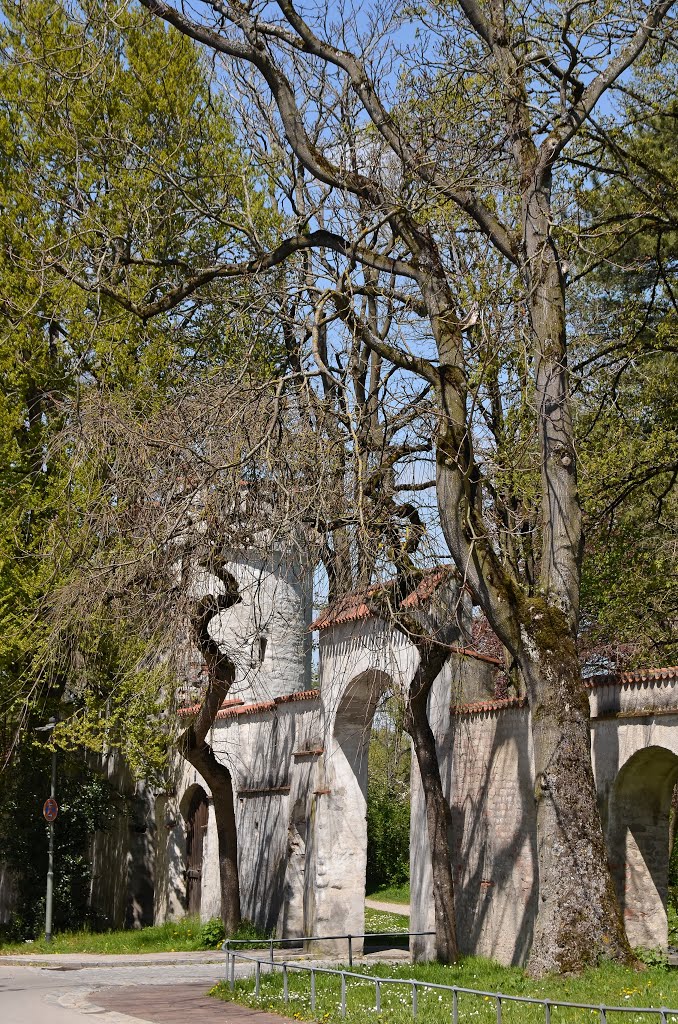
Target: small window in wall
pixel 263 641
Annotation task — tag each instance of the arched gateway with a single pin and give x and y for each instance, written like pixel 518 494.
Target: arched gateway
pixel 299 764
pixel 195 809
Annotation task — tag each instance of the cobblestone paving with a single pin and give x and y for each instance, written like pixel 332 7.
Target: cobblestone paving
pixel 178 1005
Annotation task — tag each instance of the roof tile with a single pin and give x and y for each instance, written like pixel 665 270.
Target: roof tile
pixel 237 707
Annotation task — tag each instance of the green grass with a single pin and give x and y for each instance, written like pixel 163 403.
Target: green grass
pixel 672 914
pixel 174 937
pixel 382 921
pixel 608 984
pixel 391 893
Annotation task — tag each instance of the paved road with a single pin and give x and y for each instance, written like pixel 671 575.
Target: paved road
pixel 66 993
pixel 69 988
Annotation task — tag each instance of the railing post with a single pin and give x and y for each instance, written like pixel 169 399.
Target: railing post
pixel 455 1005
pixel 271 952
pixel 603 1015
pixel 377 996
pixel 414 999
pixel 350 951
pixel 312 991
pixel 343 994
pixel 257 977
pixel 286 990
pixel 662 1014
pixel 498 1009
pixel 232 971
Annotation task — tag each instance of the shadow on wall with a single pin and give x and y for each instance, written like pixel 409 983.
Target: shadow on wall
pixel 638 842
pixel 263 815
pixel 140 861
pixel 496 871
pixel 170 881
pixel 109 890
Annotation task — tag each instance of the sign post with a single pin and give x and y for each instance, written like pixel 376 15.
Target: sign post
pixel 49 811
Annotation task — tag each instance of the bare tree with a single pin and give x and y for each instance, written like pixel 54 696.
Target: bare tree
pixel 161 501
pixel 468 136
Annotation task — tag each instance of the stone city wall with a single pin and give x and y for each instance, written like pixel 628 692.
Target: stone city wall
pixel 488 775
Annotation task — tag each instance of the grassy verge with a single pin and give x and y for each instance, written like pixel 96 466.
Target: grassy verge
pixel 608 984
pixel 174 937
pixel 382 921
pixel 391 893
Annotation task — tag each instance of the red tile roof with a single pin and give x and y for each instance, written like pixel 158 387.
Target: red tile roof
pixel 349 608
pixel 630 678
pixel 633 676
pixel 288 698
pixel 233 711
pixel 488 705
pixel 427 586
pixel 194 708
pixel 353 607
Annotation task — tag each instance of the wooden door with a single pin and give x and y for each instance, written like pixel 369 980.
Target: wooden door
pixel 195 841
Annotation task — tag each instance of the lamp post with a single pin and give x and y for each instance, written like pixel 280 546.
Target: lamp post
pixel 50 811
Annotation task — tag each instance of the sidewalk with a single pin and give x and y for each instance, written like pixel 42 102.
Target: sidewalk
pixel 77 961
pixel 179 1004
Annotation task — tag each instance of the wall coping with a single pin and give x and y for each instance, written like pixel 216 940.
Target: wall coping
pixel 641 677
pixel 233 711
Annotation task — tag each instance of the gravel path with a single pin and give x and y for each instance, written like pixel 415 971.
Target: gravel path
pixel 389 908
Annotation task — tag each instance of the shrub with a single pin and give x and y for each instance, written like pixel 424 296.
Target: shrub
pixel 212 934
pixel 652 957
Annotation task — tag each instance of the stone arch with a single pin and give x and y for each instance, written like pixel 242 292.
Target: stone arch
pixel 194 808
pixel 638 842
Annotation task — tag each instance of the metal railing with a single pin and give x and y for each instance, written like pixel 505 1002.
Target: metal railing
pixel 302 939
pixel 415 986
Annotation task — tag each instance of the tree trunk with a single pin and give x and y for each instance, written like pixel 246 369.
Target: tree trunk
pixel 193 742
pixel 579 921
pixel 438 821
pixel 218 778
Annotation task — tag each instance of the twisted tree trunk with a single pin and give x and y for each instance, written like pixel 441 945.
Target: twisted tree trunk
pixel 194 747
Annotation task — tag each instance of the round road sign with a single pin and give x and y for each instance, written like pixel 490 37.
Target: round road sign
pixel 50 809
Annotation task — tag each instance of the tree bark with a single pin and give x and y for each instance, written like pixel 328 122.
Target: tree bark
pixel 438 819
pixel 579 921
pixel 194 747
pixel 218 778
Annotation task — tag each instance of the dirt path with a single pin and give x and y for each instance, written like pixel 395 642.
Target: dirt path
pixel 389 908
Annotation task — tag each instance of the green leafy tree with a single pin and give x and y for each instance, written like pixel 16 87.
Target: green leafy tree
pixel 388 806
pixel 113 145
pixel 626 359
pixel 85 801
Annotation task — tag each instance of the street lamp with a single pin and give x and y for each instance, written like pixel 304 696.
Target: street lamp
pixel 50 811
